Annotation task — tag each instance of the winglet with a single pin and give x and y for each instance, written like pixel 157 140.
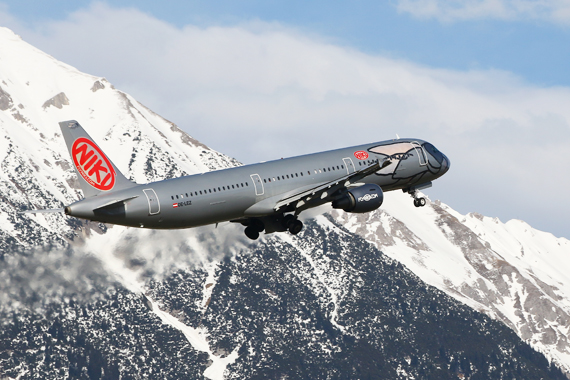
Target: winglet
pixel 96 173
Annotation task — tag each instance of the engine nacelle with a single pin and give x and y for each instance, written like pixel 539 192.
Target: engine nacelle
pixel 365 198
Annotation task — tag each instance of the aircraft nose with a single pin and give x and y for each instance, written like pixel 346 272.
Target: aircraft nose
pixel 445 165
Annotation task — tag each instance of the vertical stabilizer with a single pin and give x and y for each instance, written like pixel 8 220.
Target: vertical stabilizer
pixel 96 173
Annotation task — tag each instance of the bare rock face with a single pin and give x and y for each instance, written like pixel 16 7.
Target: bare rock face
pixel 97 86
pixel 57 101
pixel 5 100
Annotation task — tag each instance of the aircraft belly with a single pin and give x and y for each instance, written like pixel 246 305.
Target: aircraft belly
pixel 202 212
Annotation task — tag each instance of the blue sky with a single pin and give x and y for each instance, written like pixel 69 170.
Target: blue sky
pixel 536 49
pixel 486 81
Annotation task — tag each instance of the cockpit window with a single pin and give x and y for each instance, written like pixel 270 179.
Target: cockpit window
pixel 432 150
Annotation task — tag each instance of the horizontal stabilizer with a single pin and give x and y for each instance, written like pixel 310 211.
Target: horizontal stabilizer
pixel 114 203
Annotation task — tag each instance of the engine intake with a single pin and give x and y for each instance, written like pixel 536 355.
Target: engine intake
pixel 362 199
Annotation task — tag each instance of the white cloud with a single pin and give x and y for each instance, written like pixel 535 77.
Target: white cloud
pixel 557 11
pixel 262 91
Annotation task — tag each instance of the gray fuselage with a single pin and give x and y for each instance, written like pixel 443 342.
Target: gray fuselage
pixel 240 192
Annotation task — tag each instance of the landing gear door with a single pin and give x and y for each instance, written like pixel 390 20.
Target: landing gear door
pixel 349 165
pixel 258 184
pixel 153 204
pixel 420 152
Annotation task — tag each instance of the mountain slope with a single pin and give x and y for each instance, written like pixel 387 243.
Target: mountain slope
pixel 509 271
pixel 323 305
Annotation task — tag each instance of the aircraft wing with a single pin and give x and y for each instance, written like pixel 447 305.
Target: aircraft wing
pixel 307 197
pixel 304 199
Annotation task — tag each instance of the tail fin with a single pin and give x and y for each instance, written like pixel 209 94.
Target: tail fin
pixel 96 173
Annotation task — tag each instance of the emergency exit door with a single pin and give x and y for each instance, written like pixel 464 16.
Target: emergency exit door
pixel 153 204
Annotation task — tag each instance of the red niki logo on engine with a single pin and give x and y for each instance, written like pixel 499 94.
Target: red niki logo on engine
pixel 361 155
pixel 92 164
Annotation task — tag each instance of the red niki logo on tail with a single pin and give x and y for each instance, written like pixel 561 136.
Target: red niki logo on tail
pixel 92 164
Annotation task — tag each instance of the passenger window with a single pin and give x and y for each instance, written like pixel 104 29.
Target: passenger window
pixel 296 174
pixel 247 184
pixel 264 180
pixel 233 187
pixel 176 196
pixel 342 166
pixel 287 176
pixel 219 189
pixel 301 174
pixel 210 190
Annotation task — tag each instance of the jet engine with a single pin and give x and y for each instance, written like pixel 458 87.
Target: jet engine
pixel 365 198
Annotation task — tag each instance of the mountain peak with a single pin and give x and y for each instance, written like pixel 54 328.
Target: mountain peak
pixel 36 92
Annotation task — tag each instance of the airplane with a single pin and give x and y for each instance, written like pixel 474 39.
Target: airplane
pixel 267 196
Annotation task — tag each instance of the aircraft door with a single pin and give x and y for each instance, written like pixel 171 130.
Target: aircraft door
pixel 153 204
pixel 349 165
pixel 421 153
pixel 258 184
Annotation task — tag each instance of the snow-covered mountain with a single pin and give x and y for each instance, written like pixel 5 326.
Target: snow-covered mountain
pixel 36 92
pixel 509 271
pixel 96 301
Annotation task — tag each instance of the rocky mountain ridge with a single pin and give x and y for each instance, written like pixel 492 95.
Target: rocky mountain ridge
pixel 509 271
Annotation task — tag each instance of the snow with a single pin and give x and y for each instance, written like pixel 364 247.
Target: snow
pixel 198 340
pixel 209 284
pixel 330 281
